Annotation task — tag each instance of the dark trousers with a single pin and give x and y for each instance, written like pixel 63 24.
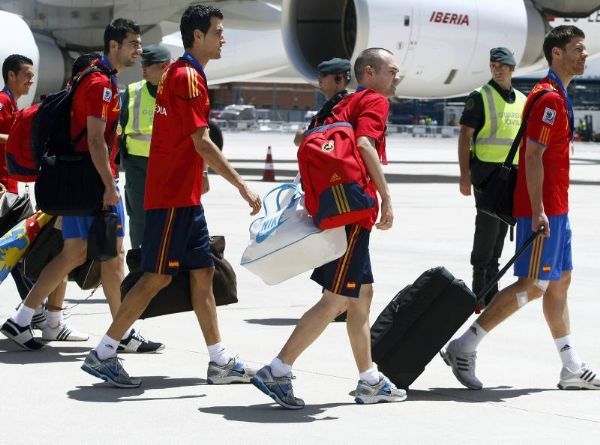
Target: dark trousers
pixel 135 187
pixel 488 242
pixel 23 283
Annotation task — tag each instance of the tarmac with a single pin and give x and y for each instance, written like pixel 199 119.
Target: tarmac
pixel 46 398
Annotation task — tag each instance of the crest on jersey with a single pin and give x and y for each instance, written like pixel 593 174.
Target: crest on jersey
pixel 549 116
pixel 107 95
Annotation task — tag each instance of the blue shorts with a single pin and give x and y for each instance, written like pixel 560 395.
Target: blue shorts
pixel 546 258
pixel 345 275
pixel 175 239
pixel 79 226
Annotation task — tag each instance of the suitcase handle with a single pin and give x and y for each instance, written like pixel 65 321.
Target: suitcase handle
pixel 490 284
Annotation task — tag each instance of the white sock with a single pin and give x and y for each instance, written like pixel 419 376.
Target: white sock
pixel 567 353
pixel 279 369
pixel 23 315
pixel 469 341
pixel 127 332
pixel 107 348
pixel 55 318
pixel 371 375
pixel 219 354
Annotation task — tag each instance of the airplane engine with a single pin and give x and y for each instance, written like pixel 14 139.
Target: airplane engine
pixel 441 50
pixel 48 59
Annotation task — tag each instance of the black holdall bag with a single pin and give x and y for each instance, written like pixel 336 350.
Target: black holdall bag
pixel 175 297
pixel 498 188
pixel 68 182
pixel 13 208
pixel 102 236
pixel 421 319
pixel 46 246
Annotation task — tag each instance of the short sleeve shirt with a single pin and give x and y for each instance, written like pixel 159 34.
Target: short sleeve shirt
pixel 174 177
pixel 547 125
pixel 8 114
pixel 367 111
pixel 98 96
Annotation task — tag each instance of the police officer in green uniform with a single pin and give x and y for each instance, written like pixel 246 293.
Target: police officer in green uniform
pixel 137 114
pixel 488 126
pixel 334 77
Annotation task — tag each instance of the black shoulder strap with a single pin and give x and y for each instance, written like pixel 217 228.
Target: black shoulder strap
pixel 326 111
pixel 515 145
pixel 78 79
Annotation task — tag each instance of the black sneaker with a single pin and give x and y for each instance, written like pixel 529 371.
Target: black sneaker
pixel 136 343
pixel 21 335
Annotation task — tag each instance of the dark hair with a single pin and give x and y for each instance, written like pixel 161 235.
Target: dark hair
pixel 194 17
pixel 559 37
pixel 13 63
pixel 369 57
pixel 82 62
pixel 117 30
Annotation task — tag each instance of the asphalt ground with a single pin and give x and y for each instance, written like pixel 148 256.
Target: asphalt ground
pixel 46 398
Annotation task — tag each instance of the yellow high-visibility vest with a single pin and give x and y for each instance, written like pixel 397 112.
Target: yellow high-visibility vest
pixel 502 122
pixel 141 115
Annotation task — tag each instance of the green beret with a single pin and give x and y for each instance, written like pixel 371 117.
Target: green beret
pixel 335 66
pixel 155 54
pixel 503 56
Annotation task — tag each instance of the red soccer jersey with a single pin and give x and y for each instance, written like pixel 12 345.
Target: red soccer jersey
pixel 367 111
pixel 548 125
pixel 8 114
pixel 174 177
pixel 98 96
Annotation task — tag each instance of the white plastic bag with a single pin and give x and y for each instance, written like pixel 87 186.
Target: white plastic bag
pixel 286 242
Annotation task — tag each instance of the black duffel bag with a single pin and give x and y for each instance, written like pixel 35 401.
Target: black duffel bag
pixel 498 188
pixel 13 208
pixel 69 185
pixel 175 297
pixel 45 247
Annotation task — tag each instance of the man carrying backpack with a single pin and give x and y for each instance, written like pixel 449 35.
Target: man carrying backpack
pixel 17 73
pixel 347 282
pixel 94 113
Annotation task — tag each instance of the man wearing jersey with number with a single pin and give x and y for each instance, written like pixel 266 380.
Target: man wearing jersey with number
pixel 541 201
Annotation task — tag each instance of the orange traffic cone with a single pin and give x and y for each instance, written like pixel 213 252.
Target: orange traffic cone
pixel 269 171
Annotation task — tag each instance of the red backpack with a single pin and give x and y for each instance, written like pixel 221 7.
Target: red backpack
pixel 334 176
pixel 21 162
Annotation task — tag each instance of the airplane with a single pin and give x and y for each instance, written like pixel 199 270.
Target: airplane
pixel 441 46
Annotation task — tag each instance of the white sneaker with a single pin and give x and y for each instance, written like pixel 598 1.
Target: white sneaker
pixel 585 378
pixel 63 332
pixel 463 365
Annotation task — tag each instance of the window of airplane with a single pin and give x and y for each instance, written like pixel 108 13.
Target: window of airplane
pixel 406 20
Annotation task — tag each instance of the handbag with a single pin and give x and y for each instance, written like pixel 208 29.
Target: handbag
pixel 286 242
pixel 498 188
pixel 46 246
pixel 102 236
pixel 16 241
pixel 175 297
pixel 13 208
pixel 69 184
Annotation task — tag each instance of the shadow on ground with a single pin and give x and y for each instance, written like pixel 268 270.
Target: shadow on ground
pixel 12 354
pixel 494 394
pixel 273 413
pixel 103 392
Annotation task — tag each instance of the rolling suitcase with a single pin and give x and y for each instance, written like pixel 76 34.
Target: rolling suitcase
pixel 421 319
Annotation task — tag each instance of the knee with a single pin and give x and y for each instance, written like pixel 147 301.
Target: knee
pixel 156 282
pixel 333 304
pixel 75 256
